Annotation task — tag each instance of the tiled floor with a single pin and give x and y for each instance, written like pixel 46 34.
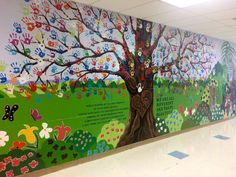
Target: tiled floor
pixel 208 156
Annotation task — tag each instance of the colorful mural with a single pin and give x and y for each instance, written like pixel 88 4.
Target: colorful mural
pixel 78 81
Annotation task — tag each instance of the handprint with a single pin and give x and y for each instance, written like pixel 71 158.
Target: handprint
pixel 72 31
pixel 40 52
pixel 60 59
pixel 10 49
pixel 75 44
pixel 53 18
pixel 15 67
pixel 64 38
pixel 27 65
pixel 53 35
pixel 94 62
pixel 13 79
pixel 54 69
pixel 58 4
pixel 14 39
pixel 35 8
pixel 61 49
pixel 23 78
pixel 32 86
pixel 62 25
pixel 10 89
pixel 37 72
pixel 26 11
pixel 30 25
pixel 27 51
pixel 27 39
pixel 66 77
pixel 52 54
pixel 46 7
pixel 3 65
pixel 17 27
pixel 47 28
pixel 86 64
pixel 3 78
pixel 106 66
pixel 51 44
pixel 38 24
pixel 57 79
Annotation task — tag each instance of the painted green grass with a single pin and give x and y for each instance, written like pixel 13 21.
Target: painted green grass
pixel 56 111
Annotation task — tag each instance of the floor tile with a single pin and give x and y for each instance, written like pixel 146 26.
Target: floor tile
pixel 221 137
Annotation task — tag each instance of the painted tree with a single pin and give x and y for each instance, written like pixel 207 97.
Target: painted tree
pixel 228 54
pixel 73 41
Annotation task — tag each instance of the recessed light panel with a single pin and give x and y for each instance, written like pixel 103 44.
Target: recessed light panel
pixel 184 3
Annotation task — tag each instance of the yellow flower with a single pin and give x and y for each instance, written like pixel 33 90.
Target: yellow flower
pixel 29 133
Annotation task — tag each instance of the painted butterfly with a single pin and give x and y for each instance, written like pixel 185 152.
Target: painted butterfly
pixel 9 112
pixel 35 115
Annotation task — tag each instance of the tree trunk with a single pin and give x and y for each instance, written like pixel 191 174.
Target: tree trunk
pixel 141 124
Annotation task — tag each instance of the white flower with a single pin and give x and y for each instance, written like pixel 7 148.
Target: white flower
pixel 193 111
pixel 44 133
pixel 3 138
pixel 186 112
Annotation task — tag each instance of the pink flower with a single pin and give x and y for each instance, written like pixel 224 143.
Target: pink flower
pixel 9 173
pixel 23 158
pixel 15 162
pixel 7 160
pixel 2 166
pixel 30 154
pixel 33 164
pixel 24 170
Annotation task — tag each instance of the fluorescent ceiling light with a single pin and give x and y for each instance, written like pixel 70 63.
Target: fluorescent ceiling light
pixel 183 3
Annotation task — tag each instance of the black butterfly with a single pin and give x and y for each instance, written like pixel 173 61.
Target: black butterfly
pixel 9 112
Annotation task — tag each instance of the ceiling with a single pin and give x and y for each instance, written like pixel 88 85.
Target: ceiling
pixel 213 18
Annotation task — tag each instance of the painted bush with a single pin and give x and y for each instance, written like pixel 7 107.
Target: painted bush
pixel 111 132
pixel 174 121
pixel 19 162
pixel 82 141
pixel 217 113
pixel 101 146
pixel 161 126
pixel 57 152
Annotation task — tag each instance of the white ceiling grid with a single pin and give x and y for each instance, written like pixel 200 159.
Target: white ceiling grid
pixel 213 18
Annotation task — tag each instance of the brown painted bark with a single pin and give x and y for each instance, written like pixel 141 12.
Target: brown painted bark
pixel 141 124
pixel 141 121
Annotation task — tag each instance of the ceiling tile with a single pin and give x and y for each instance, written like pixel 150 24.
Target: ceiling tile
pixel 171 16
pixel 119 5
pixel 86 1
pixel 221 15
pixel 149 9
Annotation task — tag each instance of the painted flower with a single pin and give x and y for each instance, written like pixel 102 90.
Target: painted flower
pixel 24 170
pixel 193 111
pixel 23 158
pixel 9 173
pixel 15 162
pixel 7 160
pixel 186 112
pixel 17 145
pixel 2 166
pixel 29 133
pixel 33 164
pixel 62 130
pixel 3 138
pixel 30 154
pixel 45 132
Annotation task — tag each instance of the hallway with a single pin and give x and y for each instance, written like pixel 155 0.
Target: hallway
pixel 208 152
